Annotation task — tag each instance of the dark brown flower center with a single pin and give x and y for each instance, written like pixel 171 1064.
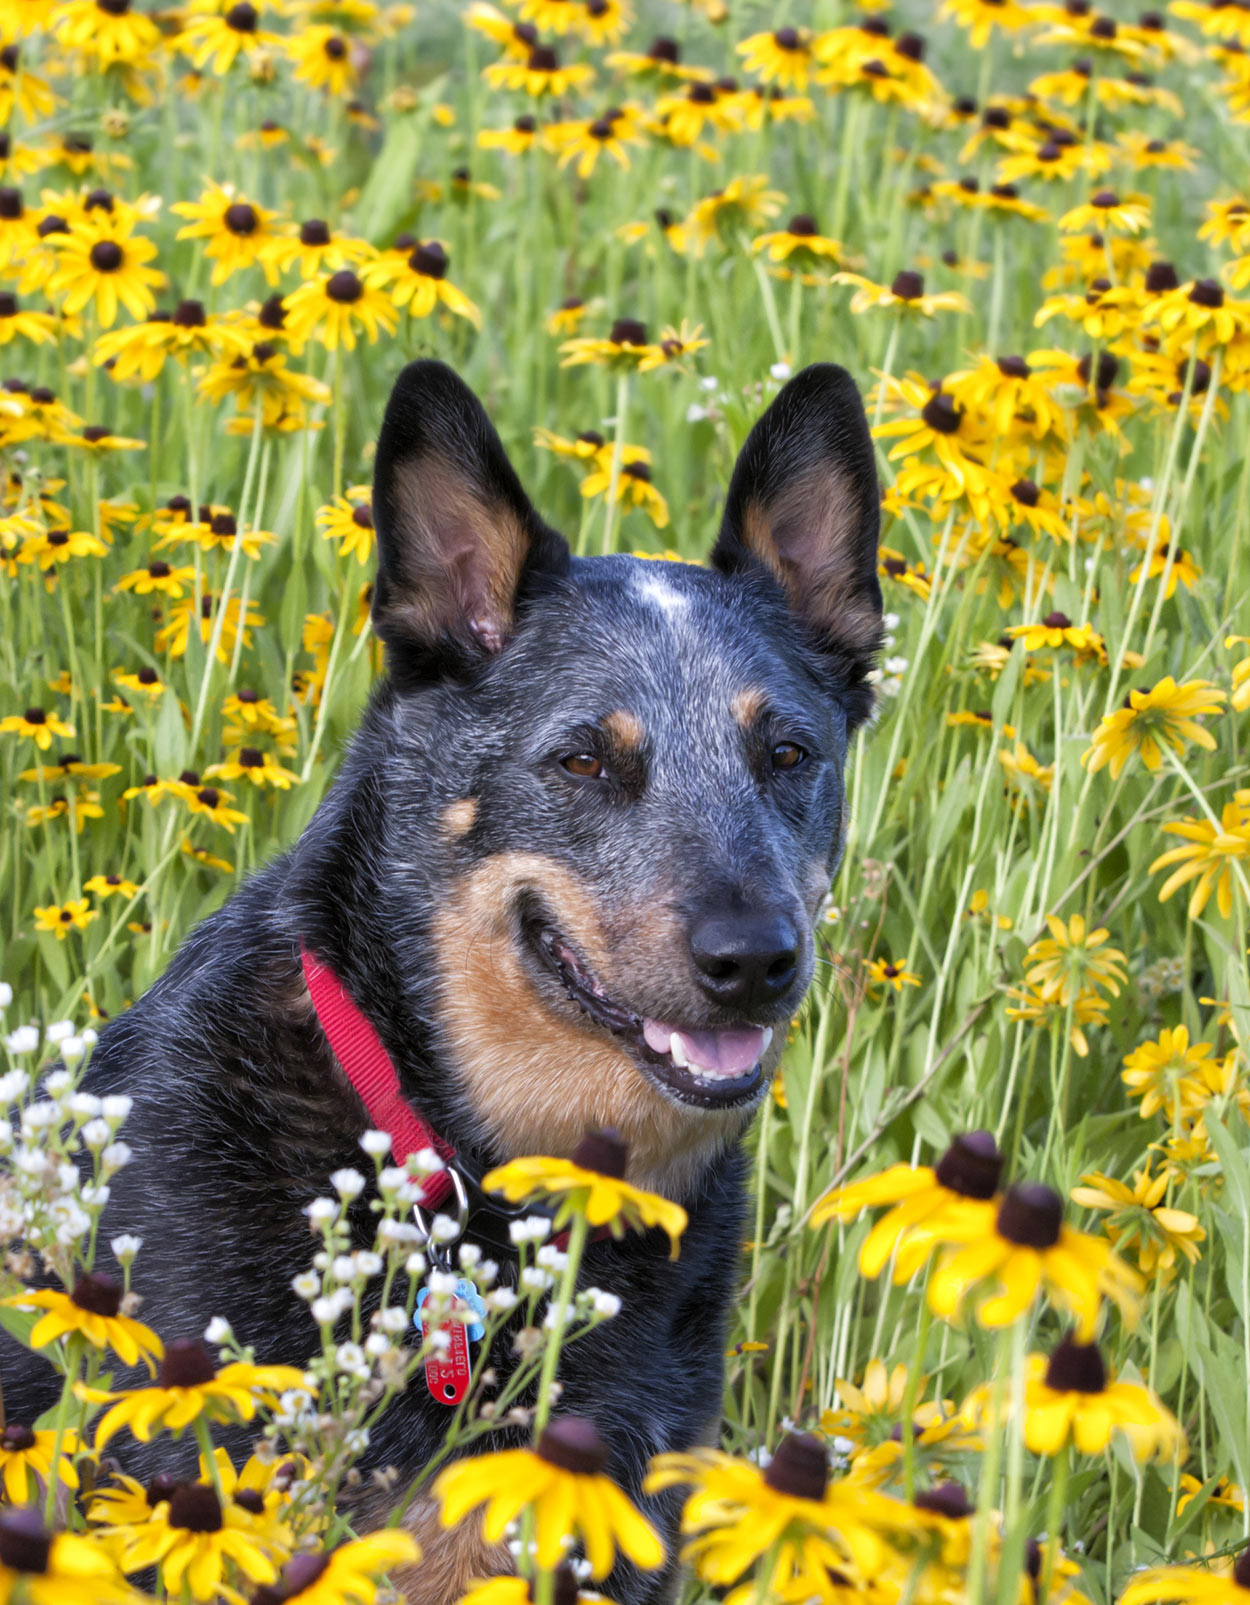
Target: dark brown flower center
pixel 603 1151
pixel 628 332
pixel 98 1294
pixel 314 232
pixel 800 1468
pixel 804 225
pixel 941 414
pixel 1013 367
pixel 209 796
pixel 1105 200
pixel 996 117
pixel 573 1443
pixel 106 256
pixel 1076 1368
pixel 1031 1215
pixel 251 1500
pixel 1207 293
pixel 910 46
pixel 52 224
pixel 272 314
pixel 1108 368
pixel 908 285
pixel 1241 1569
pixel 241 218
pixel 1160 277
pixel 787 39
pixel 195 1507
pixel 430 260
pixel 1057 621
pixel 362 515
pixel 25 1543
pixel 190 315
pixel 665 49
pixel 16 1438
pixel 1026 493
pixel 949 1499
pixel 344 287
pixel 243 17
pixel 971 1166
pixel 187 1363
pixel 543 59
pixel 162 1487
pixel 298 1575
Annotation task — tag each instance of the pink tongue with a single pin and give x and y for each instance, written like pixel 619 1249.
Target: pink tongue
pixel 721 1053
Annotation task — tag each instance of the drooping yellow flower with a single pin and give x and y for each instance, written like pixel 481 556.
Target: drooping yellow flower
pixel 562 1483
pixel 1212 858
pixel 237 231
pixel 1226 1582
pixel 1072 959
pixel 348 1575
pixel 42 1568
pixel 590 1184
pixel 26 1459
pixel 1140 1217
pixel 1166 1074
pixel 418 281
pixel 196 1543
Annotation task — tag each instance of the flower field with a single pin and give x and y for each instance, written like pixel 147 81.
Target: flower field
pixel 994 1337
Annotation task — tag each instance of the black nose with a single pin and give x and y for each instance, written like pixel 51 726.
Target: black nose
pixel 745 961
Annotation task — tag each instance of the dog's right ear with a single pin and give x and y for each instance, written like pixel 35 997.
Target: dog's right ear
pixel 458 539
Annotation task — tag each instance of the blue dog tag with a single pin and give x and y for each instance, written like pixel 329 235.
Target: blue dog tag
pixel 465 1290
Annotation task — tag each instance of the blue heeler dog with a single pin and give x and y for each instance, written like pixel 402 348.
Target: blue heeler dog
pixel 568 873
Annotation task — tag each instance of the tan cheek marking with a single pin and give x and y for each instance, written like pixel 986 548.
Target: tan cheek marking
pixel 625 729
pixel 747 706
pixel 537 1081
pixel 458 817
pixel 451 1557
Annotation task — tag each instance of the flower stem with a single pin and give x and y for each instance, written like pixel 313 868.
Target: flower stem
pixel 560 1309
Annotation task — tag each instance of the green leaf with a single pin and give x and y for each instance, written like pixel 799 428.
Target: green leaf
pixel 388 192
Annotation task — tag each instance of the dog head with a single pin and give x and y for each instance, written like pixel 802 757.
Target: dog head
pixel 629 772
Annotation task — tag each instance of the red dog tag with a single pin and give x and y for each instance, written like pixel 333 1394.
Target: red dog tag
pixel 446 1375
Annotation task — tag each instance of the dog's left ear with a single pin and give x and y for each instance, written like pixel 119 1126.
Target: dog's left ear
pixel 458 540
pixel 804 504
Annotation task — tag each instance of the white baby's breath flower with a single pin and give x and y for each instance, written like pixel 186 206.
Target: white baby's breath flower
pixel 73 1049
pixel 96 1134
pixel 344 1268
pixel 392 1233
pixel 425 1162
pixel 116 1108
pixel 326 1310
pixel 59 1030
pixel 532 1229
pixel 95 1197
pixel 347 1183
pixel 6 994
pixel 443 1229
pixel 84 1106
pixel 350 1357
pixel 115 1156
pixel 500 1300
pixel 125 1248
pixel 321 1210
pixel 218 1331
pixel 306 1285
pixel 24 1040
pixel 604 1305
pixel 780 370
pixel 415 1266
pixel 377 1344
pixel 393 1319
pixel 89 1035
pixel 368 1263
pixel 12 1086
pixel 377 1144
pixel 469 1254
pixel 58 1083
pixel 534 1280
pixel 443 1283
pixel 551 1258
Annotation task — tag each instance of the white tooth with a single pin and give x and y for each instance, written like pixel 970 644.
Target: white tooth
pixel 768 1037
pixel 676 1052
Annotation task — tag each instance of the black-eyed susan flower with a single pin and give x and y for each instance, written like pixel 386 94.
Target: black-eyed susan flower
pixel 253 764
pixel 106 886
pixel 187 1387
pixel 418 281
pixel 237 231
pixel 214 803
pixel 349 520
pixel 1029 1247
pixel 540 74
pixel 38 1567
pixel 733 213
pixel 348 1575
pixel 17 323
pixel 323 58
pixel 625 347
pixel 887 973
pixel 214 40
pixel 800 238
pixel 92 1310
pixel 106 269
pixel 158 576
pixel 1072 959
pixel 813 1532
pixel 949 1202
pixel 1167 1073
pixel 590 1184
pixel 633 488
pixel 1211 857
pixel 1070 1399
pixel 562 1483
pixel 27 1460
pixel 981 17
pixel 1106 211
pixel 1057 630
pixel 108 30
pixel 1140 1218
pixel 38 724
pixel 1150 722
pixel 196 1543
pixel 314 247
pixel 1223 1495
pixel 1225 1582
pixel 62 918
pixel 783 57
pixel 331 308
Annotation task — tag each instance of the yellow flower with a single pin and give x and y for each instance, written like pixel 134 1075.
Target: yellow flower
pixel 783 57
pixel 1226 1582
pixel 238 232
pixel 189 1386
pixel 1150 721
pixel 905 295
pixel 143 682
pixel 1028 1248
pixel 346 1575
pixel 1106 211
pixel 1141 1217
pixel 1068 962
pixel 1069 1399
pixel 42 1568
pixel 418 280
pixel 1057 630
pixel 562 1483
pixel 633 484
pixel 1225 1495
pixel 800 237
pixel 158 576
pixel 323 59
pixel 75 915
pixel 539 74
pixel 36 723
pixel 981 17
pixel 812 1530
pixel 590 1184
pixel 626 347
pixel 106 886
pixel 330 308
pixel 26 1453
pixel 884 972
pixel 215 40
pixel 196 1543
pixel 949 1202
pixel 1166 1074
pixel 1211 858
pixel 250 763
pixel 91 1310
pixel 111 32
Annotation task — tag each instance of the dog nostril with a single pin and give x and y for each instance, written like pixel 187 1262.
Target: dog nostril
pixel 745 961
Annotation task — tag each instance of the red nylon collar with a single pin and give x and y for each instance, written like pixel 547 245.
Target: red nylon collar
pixel 367 1065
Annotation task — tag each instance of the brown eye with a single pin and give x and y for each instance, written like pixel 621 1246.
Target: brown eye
pixel 584 765
pixel 787 755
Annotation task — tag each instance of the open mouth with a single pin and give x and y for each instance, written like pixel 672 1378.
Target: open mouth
pixel 711 1069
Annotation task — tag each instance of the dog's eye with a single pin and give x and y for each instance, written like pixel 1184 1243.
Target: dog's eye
pixel 584 765
pixel 788 755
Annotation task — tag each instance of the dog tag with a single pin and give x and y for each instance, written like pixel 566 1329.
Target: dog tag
pixel 446 1375
pixel 465 1290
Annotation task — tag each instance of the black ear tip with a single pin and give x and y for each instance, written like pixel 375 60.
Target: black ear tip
pixel 823 382
pixel 427 377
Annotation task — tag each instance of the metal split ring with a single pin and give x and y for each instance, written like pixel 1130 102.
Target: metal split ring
pixel 438 1252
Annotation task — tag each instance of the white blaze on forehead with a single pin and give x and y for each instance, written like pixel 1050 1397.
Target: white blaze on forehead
pixel 655 589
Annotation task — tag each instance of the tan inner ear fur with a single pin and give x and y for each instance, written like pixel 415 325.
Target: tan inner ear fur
pixel 446 528
pixel 451 1557
pixel 537 1081
pixel 805 536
